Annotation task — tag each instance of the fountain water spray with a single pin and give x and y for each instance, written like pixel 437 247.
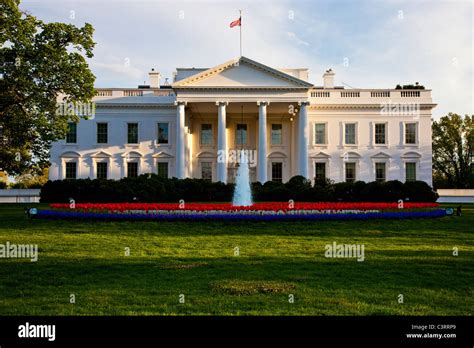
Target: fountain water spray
pixel 242 192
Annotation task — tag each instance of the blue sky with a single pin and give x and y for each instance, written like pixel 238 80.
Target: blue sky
pixel 369 43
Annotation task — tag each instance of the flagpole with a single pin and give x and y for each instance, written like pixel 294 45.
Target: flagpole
pixel 240 32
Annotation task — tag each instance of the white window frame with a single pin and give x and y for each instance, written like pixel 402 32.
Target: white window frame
pixel 326 134
pixel 386 169
pixel 416 134
pixel 71 160
pixel 126 133
pixel 356 135
pixel 271 130
pixel 417 168
pixel 386 134
pixel 162 161
pixel 326 168
pixel 356 168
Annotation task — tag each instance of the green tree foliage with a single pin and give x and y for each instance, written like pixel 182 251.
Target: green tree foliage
pixel 453 145
pixel 38 62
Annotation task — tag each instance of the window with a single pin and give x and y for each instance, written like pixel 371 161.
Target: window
pixel 206 170
pixel 101 170
pixel 132 133
pixel 132 169
pixel 380 172
pixel 350 172
pixel 162 169
pixel 206 134
pixel 102 133
pixel 320 133
pixel 277 171
pixel 350 134
pixel 410 133
pixel 380 136
pixel 163 133
pixel 410 171
pixel 71 136
pixel 320 171
pixel 71 170
pixel 276 135
pixel 241 134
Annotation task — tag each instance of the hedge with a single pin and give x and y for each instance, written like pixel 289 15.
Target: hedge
pixel 152 188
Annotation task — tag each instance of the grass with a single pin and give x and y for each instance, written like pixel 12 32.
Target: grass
pixel 275 260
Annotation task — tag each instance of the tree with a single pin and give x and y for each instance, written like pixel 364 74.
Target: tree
pixel 453 146
pixel 38 62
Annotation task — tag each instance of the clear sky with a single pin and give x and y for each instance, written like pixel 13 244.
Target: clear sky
pixel 368 43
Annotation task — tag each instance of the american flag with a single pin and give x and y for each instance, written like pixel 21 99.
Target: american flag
pixel 235 23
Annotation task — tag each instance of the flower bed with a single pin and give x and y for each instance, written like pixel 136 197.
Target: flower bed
pixel 225 211
pixel 270 206
pixel 242 215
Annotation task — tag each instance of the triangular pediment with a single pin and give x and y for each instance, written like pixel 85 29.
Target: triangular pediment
pixel 242 73
pixel 381 155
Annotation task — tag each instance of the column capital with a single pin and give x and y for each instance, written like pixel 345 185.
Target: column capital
pixel 303 103
pixel 180 102
pixel 261 102
pixel 222 102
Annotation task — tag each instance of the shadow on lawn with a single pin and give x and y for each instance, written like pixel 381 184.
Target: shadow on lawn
pixel 386 269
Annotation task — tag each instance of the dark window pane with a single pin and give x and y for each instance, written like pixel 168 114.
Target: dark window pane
pixel 162 168
pixel 102 133
pixel 206 170
pixel 71 170
pixel 350 172
pixel 163 133
pixel 380 172
pixel 276 135
pixel 410 133
pixel 241 134
pixel 320 171
pixel 206 134
pixel 101 170
pixel 277 171
pixel 71 136
pixel 410 171
pixel 380 135
pixel 132 169
pixel 132 133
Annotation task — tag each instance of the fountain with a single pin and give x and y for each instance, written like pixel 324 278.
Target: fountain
pixel 242 193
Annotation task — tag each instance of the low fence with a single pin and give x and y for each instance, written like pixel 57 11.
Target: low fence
pixel 455 196
pixel 20 196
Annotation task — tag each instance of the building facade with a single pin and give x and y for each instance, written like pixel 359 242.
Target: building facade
pixel 197 127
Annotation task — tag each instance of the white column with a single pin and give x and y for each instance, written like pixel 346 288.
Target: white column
pixel 303 135
pixel 262 141
pixel 180 146
pixel 221 142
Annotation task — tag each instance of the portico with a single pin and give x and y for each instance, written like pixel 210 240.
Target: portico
pixel 244 105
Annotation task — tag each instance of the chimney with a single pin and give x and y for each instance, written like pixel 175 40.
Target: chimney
pixel 154 78
pixel 328 78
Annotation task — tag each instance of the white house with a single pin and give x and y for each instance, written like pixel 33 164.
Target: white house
pixel 192 128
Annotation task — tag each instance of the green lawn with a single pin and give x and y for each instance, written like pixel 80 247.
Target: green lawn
pixel 412 258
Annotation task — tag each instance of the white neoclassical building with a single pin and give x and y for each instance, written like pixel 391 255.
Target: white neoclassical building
pixel 195 127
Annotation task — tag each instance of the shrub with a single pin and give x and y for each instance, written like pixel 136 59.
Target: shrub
pixel 3 185
pixel 152 188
